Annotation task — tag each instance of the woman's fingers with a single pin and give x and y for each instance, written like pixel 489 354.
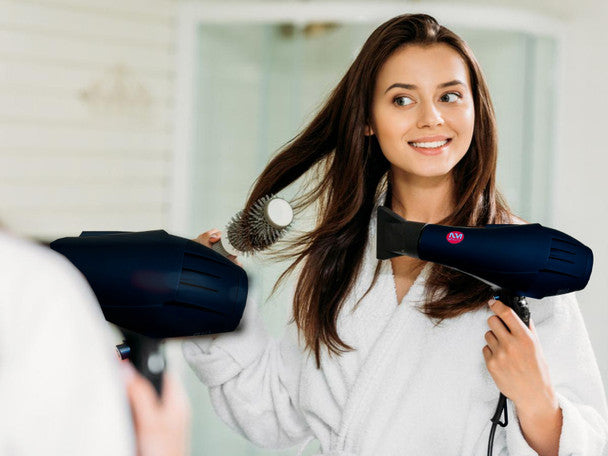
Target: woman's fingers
pixel 161 425
pixel 209 237
pixel 142 396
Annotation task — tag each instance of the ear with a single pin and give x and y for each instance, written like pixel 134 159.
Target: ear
pixel 368 130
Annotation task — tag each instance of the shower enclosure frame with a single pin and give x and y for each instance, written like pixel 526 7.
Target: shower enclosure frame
pixel 191 14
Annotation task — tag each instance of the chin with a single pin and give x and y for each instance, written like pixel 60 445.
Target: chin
pixel 428 171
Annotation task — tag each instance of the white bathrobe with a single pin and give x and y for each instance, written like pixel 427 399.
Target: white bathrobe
pixel 409 388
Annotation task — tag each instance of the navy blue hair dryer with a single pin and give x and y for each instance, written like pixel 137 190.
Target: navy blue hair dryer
pixel 154 285
pixel 517 261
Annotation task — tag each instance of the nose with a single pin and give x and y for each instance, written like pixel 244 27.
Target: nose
pixel 429 116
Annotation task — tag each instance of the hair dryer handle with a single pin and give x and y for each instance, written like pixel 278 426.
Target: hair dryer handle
pixel 517 303
pixel 146 355
pixel 520 306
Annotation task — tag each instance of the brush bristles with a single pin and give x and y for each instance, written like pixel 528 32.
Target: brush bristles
pixel 254 233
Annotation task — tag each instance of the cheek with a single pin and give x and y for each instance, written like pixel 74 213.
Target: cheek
pixel 392 124
pixel 469 121
pixel 392 132
pixel 464 123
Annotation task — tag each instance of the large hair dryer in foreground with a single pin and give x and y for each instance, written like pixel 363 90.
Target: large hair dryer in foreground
pixel 157 284
pixel 517 261
pixel 154 285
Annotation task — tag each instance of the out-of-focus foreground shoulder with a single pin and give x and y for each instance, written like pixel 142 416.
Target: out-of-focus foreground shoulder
pixel 60 381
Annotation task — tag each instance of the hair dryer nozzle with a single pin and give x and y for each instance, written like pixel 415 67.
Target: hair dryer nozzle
pixel 396 236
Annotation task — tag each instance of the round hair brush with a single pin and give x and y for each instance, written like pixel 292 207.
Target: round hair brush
pixel 267 221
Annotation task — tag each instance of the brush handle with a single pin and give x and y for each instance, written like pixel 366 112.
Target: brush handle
pixel 224 248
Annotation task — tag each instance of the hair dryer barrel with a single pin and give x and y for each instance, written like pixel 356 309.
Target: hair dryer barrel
pixel 157 284
pixel 530 260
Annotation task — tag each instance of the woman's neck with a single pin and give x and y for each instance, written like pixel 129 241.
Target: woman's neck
pixel 422 199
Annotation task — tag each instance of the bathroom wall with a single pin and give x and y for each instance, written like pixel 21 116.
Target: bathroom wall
pixel 86 105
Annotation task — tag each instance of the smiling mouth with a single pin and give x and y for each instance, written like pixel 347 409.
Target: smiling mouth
pixel 430 144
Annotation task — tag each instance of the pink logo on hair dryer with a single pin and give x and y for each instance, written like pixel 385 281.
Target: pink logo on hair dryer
pixel 454 237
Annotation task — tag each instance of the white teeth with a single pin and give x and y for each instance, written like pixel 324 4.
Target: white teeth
pixel 429 145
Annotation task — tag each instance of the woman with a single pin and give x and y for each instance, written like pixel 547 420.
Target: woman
pixel 399 363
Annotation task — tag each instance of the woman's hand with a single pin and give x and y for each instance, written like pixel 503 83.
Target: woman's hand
pixel 515 360
pixel 208 238
pixel 162 427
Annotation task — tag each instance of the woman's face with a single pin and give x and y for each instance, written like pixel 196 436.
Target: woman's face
pixel 422 110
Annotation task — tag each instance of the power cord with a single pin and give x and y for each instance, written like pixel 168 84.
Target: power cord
pixel 502 406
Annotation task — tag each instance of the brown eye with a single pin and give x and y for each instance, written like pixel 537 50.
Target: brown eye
pixel 451 97
pixel 406 101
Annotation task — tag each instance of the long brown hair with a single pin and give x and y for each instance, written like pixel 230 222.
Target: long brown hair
pixel 351 172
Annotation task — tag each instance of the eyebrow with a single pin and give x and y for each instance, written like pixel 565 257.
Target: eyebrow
pixel 413 87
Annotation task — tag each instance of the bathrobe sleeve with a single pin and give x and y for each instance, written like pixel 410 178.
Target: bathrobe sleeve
pixel 252 380
pixel 575 376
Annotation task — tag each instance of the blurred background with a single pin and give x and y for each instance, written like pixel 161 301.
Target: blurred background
pixel 159 114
